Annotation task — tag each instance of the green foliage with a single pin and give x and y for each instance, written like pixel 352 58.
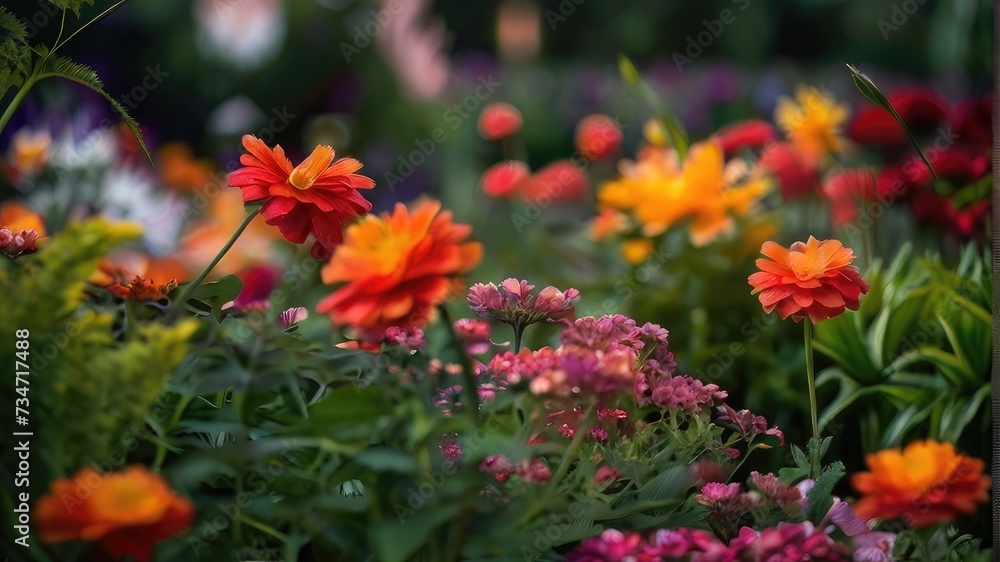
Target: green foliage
pixel 918 350
pixel 209 298
pixel 821 494
pixel 74 5
pixel 89 385
pixel 15 56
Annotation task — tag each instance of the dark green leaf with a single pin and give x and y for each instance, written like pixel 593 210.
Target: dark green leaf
pixel 15 56
pixel 871 91
pixel 74 5
pixel 821 494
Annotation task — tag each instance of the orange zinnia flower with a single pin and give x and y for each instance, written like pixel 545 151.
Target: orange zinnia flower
pixel 925 483
pixel 398 267
pixel 814 279
pixel 316 197
pixel 125 513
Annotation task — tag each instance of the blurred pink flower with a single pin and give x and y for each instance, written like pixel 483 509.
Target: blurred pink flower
pixel 413 42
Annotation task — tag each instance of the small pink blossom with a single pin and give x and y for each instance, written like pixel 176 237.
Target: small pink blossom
pixel 15 244
pixel 292 316
pixel 605 474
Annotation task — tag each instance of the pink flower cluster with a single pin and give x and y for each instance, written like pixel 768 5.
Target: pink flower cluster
pixel 747 424
pixel 15 244
pixel 475 334
pixel 533 471
pixel 788 542
pixel 680 393
pixel 597 356
pixel 513 303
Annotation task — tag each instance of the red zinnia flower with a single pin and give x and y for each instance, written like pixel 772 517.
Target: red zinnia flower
pixel 561 181
pixel 502 179
pixel 795 173
pixel 747 134
pixel 598 137
pixel 814 279
pixel 499 121
pixel 847 192
pixel 316 197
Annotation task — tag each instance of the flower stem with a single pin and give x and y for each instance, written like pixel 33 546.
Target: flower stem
pixel 191 287
pixel 470 384
pixel 16 102
pixel 518 332
pixel 567 459
pixel 811 377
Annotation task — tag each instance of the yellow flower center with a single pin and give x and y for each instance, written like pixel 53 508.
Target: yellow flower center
pixel 306 173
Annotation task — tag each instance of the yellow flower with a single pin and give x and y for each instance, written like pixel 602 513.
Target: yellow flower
pixel 637 250
pixel 812 121
pixel 654 133
pixel 660 194
pixel 29 151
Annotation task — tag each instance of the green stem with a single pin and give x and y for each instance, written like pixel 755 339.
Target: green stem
pixel 191 287
pixel 86 25
pixel 161 449
pixel 811 377
pixel 16 102
pixel 471 385
pixel 568 457
pixel 518 332
pixel 264 528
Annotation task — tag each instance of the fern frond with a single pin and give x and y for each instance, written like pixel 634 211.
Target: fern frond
pixel 82 74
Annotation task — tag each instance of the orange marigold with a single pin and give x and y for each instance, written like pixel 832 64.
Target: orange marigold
pixel 814 279
pixel 125 513
pixel 398 267
pixel 925 483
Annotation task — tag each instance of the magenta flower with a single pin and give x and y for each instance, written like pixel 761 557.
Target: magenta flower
pixel 747 424
pixel 534 471
pixel 609 546
pixel 513 303
pixel 15 244
pixel 775 494
pixel 874 547
pixel 451 449
pixel 292 316
pixel 412 338
pixel 475 334
pixel 606 474
pixel 789 542
pixel 715 493
pixel 681 393
pixel 498 466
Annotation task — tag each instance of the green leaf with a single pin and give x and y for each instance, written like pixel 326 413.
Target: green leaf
pixel 843 340
pixel 15 55
pixel 959 412
pixel 211 297
pixel 678 136
pixel 385 459
pixel 396 541
pixel 64 68
pixel 821 494
pixel 74 5
pixel 871 91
